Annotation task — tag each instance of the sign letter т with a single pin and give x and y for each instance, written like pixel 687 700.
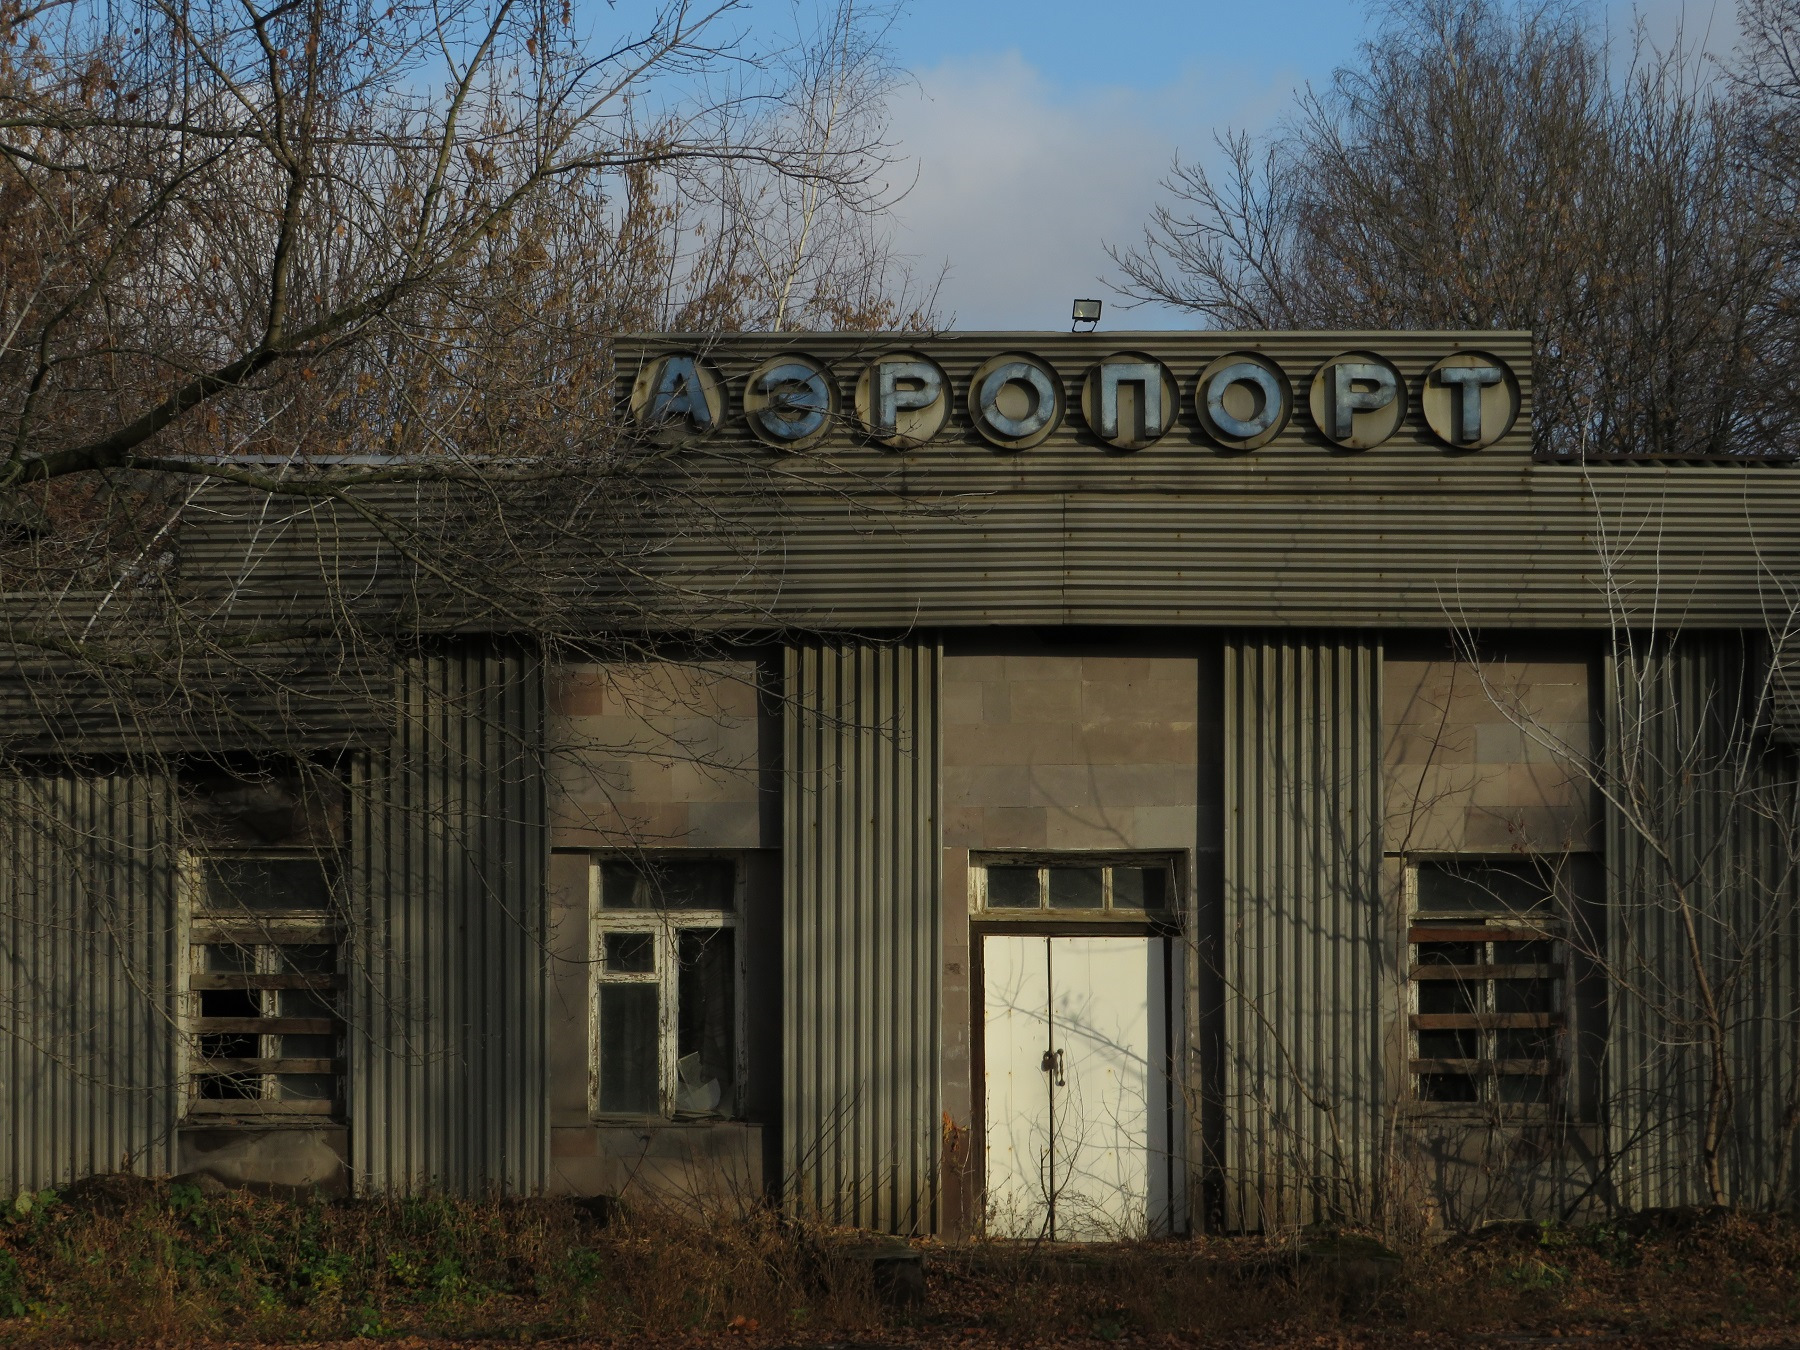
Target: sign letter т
pixel 1472 379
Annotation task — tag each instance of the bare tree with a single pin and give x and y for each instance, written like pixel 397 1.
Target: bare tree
pixel 306 368
pixel 333 257
pixel 1486 168
pixel 218 206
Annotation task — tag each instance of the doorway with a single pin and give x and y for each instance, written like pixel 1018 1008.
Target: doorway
pixel 1077 1104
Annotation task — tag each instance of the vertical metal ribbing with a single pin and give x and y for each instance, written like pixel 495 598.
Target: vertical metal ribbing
pixel 1302 945
pixel 87 921
pixel 1695 803
pixel 862 863
pixel 450 845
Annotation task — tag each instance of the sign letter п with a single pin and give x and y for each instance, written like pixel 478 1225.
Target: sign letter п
pixel 1140 373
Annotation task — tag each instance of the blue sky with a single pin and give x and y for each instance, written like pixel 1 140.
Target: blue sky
pixel 1034 132
pixel 1134 43
pixel 1094 99
pixel 1038 132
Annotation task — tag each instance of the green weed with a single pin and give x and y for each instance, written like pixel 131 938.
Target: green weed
pixel 138 1261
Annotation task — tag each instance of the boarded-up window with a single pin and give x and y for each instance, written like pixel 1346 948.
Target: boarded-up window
pixel 264 987
pixel 1490 983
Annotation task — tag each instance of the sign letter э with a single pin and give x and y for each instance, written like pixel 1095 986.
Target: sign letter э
pixel 1127 401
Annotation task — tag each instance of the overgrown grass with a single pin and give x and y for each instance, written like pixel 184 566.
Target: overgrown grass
pixel 145 1261
pixel 121 1260
pixel 1730 1277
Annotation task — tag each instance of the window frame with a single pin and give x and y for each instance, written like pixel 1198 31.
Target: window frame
pixel 665 928
pixel 1169 917
pixel 263 933
pixel 1554 926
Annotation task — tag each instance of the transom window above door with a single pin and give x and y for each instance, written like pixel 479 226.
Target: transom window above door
pixel 1075 885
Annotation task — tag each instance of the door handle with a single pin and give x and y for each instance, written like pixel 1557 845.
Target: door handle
pixel 1052 1063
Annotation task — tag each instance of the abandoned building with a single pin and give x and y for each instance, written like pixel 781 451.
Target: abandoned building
pixel 1140 783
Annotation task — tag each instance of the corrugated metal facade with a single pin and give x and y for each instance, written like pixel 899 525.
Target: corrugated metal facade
pixel 1304 955
pixel 1703 904
pixel 862 931
pixel 1298 533
pixel 450 846
pixel 1784 683
pixel 448 835
pixel 87 921
pixel 1368 544
pixel 280 698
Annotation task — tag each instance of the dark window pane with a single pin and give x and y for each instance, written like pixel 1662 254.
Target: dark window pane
pixel 266 885
pixel 1140 888
pixel 706 1021
pixel 1488 887
pixel 1449 1044
pixel 1446 1087
pixel 1448 996
pixel 305 1003
pixel 312 958
pixel 701 883
pixel 1077 887
pixel 304 1087
pixel 1012 887
pixel 229 1087
pixel 228 1046
pixel 619 886
pixel 1519 996
pixel 1525 1043
pixel 1523 1087
pixel 631 953
pixel 704 884
pixel 229 1003
pixel 1449 953
pixel 628 1048
pixel 222 959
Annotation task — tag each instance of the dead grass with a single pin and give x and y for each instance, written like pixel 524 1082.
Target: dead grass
pixel 1681 1278
pixel 120 1260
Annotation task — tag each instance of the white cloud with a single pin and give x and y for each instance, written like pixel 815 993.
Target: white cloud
pixel 1020 186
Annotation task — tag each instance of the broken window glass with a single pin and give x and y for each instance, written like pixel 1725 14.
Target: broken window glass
pixel 666 981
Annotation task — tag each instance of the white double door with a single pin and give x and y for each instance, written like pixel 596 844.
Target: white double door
pixel 1076 1049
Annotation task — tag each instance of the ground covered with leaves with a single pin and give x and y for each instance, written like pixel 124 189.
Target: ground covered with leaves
pixel 118 1260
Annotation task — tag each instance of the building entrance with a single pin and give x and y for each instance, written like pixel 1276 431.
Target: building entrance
pixel 1076 1035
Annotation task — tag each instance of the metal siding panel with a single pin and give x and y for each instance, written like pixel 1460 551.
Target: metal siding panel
pixel 1296 534
pixel 1302 939
pixel 205 702
pixel 1682 722
pixel 1290 539
pixel 447 1085
pixel 862 924
pixel 87 975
